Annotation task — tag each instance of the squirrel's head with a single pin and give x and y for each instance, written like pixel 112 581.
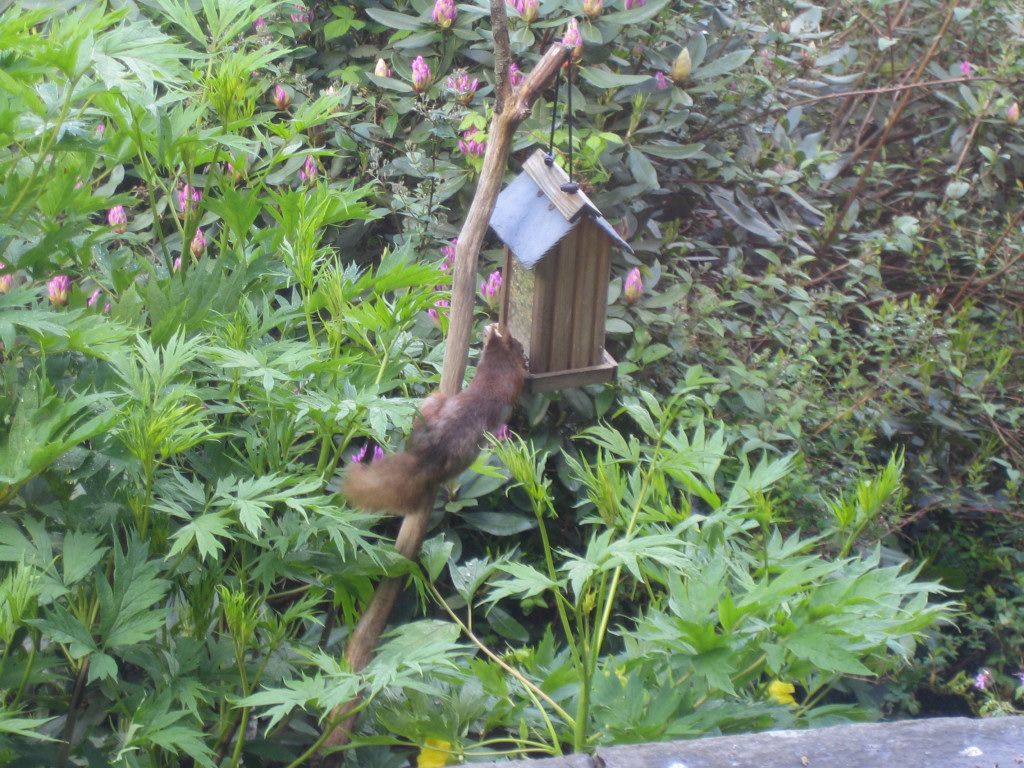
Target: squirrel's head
pixel 496 340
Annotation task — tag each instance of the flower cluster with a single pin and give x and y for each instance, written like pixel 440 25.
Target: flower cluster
pixel 308 171
pixel 529 10
pixel 302 15
pixel 421 76
pixel 515 76
pixel 681 67
pixel 573 38
pixel 444 13
pixel 188 198
pixel 58 289
pixel 1013 113
pixel 491 288
pixel 633 286
pixel 260 26
pixel 359 456
pixel 462 87
pixel 281 98
pixel 118 219
pixel 198 245
pixel 983 679
pixel 434 313
pixel 448 254
pixel 469 145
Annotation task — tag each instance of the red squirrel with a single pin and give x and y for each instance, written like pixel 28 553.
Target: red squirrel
pixel 445 437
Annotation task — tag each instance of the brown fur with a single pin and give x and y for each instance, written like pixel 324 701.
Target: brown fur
pixel 446 436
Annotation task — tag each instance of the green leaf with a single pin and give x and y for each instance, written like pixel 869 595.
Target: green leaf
pixel 127 605
pixel 81 552
pixel 394 20
pixel 723 64
pixel 605 78
pixel 671 151
pixel 24 726
pixel 825 650
pixel 60 626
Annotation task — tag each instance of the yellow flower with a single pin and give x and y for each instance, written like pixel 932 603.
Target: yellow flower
pixel 781 692
pixel 435 754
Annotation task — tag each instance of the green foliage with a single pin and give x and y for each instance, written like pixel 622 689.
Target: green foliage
pixel 822 296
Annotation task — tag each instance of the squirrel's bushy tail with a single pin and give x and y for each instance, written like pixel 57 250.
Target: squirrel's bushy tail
pixel 396 483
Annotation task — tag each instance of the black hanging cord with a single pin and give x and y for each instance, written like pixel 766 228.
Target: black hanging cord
pixel 550 158
pixel 570 186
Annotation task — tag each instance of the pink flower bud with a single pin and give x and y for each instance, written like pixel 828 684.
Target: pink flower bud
pixel 633 286
pixel 198 245
pixel 983 679
pixel 188 198
pixel 444 13
pixel 515 77
pixel 1013 113
pixel 661 82
pixel 530 11
pixel 462 87
pixel 118 219
pixel 378 453
pixel 59 288
pixel 491 289
pixel 503 432
pixel 260 26
pixel 471 145
pixel 681 67
pixel 573 38
pixel 435 312
pixel 281 97
pixel 358 456
pixel 6 279
pixel 519 5
pixel 176 264
pixel 448 255
pixel 382 69
pixel 592 8
pixel 420 75
pixel 308 171
pixel 93 298
pixel 631 4
pixel 100 130
pixel 966 69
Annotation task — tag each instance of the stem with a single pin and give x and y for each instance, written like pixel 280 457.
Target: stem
pixel 499 661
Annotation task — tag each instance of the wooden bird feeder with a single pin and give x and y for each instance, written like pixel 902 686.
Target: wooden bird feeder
pixel 557 267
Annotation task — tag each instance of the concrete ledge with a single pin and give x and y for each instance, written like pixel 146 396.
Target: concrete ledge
pixel 948 742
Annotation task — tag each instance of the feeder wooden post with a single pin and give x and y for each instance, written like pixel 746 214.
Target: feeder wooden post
pixel 511 109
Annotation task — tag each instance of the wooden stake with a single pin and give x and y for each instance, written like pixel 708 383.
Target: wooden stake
pixel 511 108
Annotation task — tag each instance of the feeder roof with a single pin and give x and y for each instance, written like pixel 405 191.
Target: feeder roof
pixel 532 214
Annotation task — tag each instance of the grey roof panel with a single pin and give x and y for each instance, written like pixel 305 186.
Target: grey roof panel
pixel 527 222
pixel 616 238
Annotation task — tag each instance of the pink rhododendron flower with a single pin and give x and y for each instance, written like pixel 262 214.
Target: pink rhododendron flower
pixel 459 84
pixel 118 219
pixel 59 288
pixel 469 145
pixel 420 74
pixel 491 288
pixel 633 286
pixel 444 13
pixel 198 245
